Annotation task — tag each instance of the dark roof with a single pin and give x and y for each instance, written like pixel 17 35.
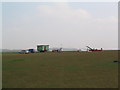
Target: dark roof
pixel 42 45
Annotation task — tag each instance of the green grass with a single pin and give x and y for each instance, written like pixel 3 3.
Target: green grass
pixel 61 70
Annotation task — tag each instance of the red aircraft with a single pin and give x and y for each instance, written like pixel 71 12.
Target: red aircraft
pixel 90 49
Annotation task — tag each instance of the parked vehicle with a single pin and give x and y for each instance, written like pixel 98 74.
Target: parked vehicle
pixel 31 50
pixel 24 52
pixel 90 49
pixel 57 50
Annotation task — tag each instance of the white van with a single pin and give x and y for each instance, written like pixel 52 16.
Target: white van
pixel 24 52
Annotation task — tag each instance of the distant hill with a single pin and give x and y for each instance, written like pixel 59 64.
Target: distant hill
pixel 63 49
pixel 18 50
pixel 8 50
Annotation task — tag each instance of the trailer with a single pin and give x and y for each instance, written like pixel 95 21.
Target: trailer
pixel 42 48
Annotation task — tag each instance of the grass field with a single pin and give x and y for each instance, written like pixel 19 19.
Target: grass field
pixel 60 70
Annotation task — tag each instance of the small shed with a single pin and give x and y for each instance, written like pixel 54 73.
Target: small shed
pixel 42 48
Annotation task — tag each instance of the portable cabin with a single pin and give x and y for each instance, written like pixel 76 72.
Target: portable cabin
pixel 42 48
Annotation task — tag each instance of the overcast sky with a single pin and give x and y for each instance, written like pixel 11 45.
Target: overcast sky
pixel 70 25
